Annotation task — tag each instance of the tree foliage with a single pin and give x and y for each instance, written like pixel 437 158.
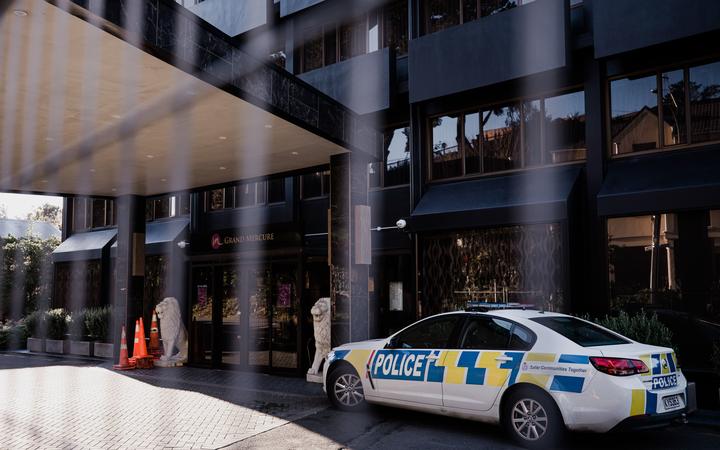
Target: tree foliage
pixel 47 213
pixel 25 275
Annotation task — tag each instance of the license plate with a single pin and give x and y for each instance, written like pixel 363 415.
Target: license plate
pixel 672 402
pixel 664 382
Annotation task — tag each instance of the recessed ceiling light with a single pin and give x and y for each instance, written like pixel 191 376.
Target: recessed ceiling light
pixel 116 116
pixel 114 189
pixel 268 126
pixel 163 179
pixel 20 13
pixel 149 156
pixel 295 153
pixel 222 138
pixel 43 181
pixel 222 167
pixel 92 170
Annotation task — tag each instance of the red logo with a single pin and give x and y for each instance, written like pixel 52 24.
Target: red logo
pixel 215 242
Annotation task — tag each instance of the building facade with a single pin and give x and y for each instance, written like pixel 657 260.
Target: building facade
pixel 558 153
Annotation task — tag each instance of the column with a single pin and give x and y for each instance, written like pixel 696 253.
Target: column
pixel 349 267
pixel 129 266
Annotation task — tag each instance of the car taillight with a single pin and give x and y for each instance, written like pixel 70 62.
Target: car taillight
pixel 620 367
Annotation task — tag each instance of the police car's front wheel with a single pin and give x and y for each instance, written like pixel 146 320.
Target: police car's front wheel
pixel 532 418
pixel 345 390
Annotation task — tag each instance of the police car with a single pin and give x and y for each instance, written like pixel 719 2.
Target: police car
pixel 536 373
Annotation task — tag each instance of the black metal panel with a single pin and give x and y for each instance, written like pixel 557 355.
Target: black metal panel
pixel 288 7
pixel 680 180
pixel 620 25
pixel 361 83
pixel 388 205
pixel 535 196
pixel 516 43
pixel 315 215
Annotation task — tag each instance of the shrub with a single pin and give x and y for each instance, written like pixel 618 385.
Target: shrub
pixel 640 327
pixel 97 323
pixel 12 335
pixel 78 324
pixel 57 323
pixel 35 324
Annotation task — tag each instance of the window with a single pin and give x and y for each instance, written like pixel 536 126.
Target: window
pixel 634 120
pixel 394 170
pixel 246 195
pixel 501 138
pixel 446 150
pixel 651 111
pixel 430 333
pixel 315 184
pixel 331 42
pixel 395 27
pixel 221 198
pixel 564 128
pixel 442 14
pixel 79 214
pixel 580 332
pixel 484 333
pixel 521 339
pixel 531 133
pixel 705 102
pixel 184 201
pixel 162 208
pixel 276 190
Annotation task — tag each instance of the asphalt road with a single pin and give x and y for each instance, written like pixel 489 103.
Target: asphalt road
pixel 390 428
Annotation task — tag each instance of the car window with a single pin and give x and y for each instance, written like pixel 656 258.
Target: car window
pixel 581 332
pixel 486 333
pixel 431 333
pixel 521 339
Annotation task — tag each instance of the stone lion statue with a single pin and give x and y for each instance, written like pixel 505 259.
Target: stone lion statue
pixel 174 334
pixel 321 324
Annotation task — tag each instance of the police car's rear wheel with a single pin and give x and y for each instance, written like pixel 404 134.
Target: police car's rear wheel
pixel 532 418
pixel 345 389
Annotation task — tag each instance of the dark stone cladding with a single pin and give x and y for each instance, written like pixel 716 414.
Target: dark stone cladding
pixel 170 32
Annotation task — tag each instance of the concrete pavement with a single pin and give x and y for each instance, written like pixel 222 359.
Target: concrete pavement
pixel 47 402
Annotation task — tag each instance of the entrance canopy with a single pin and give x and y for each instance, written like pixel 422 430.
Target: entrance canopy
pixel 84 246
pixel 145 98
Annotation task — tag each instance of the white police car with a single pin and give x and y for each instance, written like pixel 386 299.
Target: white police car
pixel 537 373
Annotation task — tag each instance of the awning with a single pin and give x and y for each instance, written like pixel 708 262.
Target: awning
pixel 674 181
pixel 84 246
pixel 530 197
pixel 161 236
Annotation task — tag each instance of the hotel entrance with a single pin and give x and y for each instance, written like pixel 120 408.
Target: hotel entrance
pixel 245 316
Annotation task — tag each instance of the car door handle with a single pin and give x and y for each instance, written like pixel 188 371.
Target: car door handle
pixel 503 358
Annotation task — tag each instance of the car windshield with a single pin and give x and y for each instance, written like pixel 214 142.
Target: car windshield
pixel 581 332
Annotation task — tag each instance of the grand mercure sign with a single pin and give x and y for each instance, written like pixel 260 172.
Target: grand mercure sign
pixel 237 240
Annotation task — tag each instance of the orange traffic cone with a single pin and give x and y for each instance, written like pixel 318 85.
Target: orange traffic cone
pixel 123 363
pixel 143 345
pixel 142 359
pixel 154 337
pixel 136 343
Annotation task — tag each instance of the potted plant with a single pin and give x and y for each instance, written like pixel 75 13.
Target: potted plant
pixel 12 335
pixel 97 323
pixel 57 326
pixel 35 329
pixel 80 343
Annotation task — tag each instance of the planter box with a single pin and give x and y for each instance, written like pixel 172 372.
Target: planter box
pixel 35 344
pixel 56 346
pixel 103 350
pixel 82 348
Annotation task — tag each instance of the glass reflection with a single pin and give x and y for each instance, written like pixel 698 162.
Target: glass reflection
pixel 501 138
pixel 532 117
pixel 397 157
pixel 441 14
pixel 634 119
pixel 447 161
pixel 704 93
pixel 673 103
pixel 565 128
pixel 471 127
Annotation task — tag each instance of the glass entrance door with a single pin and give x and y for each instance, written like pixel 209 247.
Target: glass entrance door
pixel 245 316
